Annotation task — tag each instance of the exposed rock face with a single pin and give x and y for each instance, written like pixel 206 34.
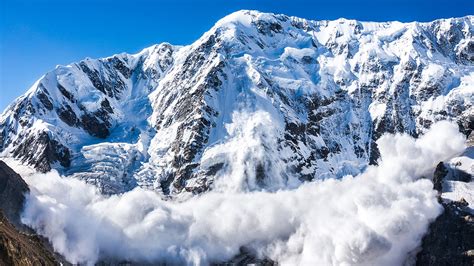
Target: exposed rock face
pixel 42 151
pixel 331 87
pixel 450 240
pixel 12 194
pixel 18 248
pixel 246 257
pixel 18 245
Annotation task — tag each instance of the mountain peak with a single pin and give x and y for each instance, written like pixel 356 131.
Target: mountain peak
pixel 245 17
pixel 157 119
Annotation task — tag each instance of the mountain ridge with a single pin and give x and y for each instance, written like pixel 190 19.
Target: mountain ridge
pixel 326 90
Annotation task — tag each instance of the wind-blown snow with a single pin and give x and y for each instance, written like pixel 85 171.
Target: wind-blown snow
pixel 375 218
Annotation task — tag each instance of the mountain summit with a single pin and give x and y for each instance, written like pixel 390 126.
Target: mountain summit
pixel 270 99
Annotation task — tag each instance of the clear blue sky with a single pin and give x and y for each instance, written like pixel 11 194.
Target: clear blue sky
pixel 37 35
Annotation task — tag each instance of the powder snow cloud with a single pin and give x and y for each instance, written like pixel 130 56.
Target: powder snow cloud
pixel 376 218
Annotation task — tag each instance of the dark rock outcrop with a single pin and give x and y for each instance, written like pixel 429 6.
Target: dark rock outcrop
pixel 440 172
pixel 246 257
pixel 41 151
pixel 18 248
pixel 450 240
pixel 18 245
pixel 12 194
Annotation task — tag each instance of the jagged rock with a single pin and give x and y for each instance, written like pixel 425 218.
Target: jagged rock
pixel 246 257
pixel 41 151
pixel 438 177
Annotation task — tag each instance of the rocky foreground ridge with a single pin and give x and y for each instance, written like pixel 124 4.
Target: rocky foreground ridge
pixel 19 245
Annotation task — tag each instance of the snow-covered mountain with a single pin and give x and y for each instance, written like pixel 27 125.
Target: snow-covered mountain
pixel 289 99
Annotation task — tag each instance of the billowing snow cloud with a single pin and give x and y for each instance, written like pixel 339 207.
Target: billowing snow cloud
pixel 375 218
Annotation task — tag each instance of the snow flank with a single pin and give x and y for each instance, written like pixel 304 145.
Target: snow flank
pixel 375 218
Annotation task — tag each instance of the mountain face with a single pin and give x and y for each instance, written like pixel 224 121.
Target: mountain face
pixel 277 94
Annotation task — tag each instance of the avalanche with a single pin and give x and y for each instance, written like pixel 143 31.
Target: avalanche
pixel 375 218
